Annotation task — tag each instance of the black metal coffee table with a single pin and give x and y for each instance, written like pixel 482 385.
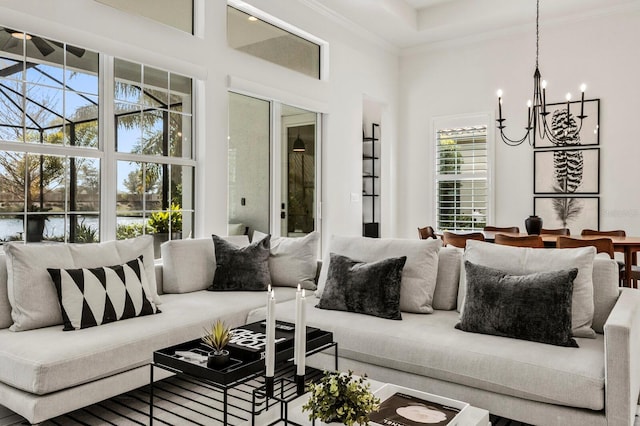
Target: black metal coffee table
pixel 236 393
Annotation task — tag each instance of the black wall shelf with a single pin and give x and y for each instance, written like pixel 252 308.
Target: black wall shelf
pixel 370 181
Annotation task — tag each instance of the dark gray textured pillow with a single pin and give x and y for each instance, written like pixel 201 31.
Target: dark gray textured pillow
pixel 366 288
pixel 241 268
pixel 535 307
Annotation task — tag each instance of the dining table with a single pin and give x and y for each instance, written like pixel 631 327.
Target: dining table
pixel 627 245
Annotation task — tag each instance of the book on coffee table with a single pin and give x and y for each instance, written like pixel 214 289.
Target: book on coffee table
pixel 408 407
pixel 248 341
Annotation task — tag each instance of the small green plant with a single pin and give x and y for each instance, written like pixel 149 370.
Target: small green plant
pixel 85 233
pixel 341 398
pixel 165 222
pixel 217 336
pixel 130 230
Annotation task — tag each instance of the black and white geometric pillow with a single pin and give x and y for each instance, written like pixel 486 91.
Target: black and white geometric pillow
pixel 94 296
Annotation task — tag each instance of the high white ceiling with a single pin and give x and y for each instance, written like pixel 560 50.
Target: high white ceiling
pixel 410 23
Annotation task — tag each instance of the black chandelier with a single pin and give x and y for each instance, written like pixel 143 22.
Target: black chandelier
pixel 563 127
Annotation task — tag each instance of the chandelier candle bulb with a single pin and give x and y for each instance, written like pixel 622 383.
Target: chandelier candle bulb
pixel 500 104
pixel 583 87
pixel 544 97
pixel 529 114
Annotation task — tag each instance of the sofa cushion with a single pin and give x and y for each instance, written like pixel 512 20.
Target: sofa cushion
pixel 429 345
pixel 534 307
pixel 293 261
pixel 445 296
pixel 367 288
pixel 605 290
pixel 419 273
pixel 86 355
pixel 522 261
pixel 93 296
pixel 192 258
pixel 33 298
pixel 241 268
pixel 5 306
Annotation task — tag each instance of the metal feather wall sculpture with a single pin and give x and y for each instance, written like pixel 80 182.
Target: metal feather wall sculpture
pixel 567 166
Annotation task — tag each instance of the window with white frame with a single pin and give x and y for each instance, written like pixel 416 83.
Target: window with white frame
pixel 52 161
pixel 462 171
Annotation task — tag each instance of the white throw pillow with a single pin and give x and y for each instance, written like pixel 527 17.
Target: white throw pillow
pixel 418 275
pixel 524 261
pixel 33 298
pixel 189 265
pixel 5 306
pixel 445 296
pixel 293 261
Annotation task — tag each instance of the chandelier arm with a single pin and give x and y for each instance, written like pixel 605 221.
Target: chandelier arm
pixel 514 142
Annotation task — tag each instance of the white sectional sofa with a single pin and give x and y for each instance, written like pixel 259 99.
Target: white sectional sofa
pixel 45 372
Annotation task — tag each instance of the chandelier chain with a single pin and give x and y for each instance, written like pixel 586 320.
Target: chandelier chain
pixel 537 31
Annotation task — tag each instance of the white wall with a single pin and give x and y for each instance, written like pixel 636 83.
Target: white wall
pixel 463 78
pixel 357 67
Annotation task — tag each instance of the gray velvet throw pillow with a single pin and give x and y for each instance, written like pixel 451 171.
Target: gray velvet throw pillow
pixel 241 268
pixel 535 307
pixel 365 288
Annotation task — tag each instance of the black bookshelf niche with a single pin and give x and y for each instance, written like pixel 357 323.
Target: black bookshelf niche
pixel 371 182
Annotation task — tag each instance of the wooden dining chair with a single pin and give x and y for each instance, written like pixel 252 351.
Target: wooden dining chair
pixel 426 232
pixel 513 229
pixel 614 233
pixel 602 245
pixel 460 240
pixel 534 241
pixel 635 269
pixel 557 231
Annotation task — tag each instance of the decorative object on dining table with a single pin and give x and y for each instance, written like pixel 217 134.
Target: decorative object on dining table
pixel 300 341
pixel 340 397
pixel 270 350
pixel 217 337
pixel 533 224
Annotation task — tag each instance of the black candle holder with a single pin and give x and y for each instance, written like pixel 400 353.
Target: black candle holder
pixel 300 387
pixel 269 385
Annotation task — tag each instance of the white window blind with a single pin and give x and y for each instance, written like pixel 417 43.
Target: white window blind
pixel 462 195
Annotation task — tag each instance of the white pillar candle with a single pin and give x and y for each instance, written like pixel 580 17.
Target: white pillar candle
pixel 270 350
pixel 303 337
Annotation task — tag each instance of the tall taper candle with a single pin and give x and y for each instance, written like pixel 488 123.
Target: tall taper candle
pixel 296 337
pixel 270 349
pixel 303 337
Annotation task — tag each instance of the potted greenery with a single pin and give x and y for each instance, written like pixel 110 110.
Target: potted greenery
pixel 35 223
pixel 216 338
pixel 163 224
pixel 341 398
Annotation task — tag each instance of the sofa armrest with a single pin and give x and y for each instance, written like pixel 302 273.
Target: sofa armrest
pixel 622 358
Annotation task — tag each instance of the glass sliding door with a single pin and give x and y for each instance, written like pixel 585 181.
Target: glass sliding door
pixel 298 171
pixel 273 166
pixel 249 164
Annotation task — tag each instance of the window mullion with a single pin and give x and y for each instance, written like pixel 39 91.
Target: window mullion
pixel 108 175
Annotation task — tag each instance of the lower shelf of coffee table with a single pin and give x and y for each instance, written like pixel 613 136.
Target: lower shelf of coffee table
pixel 182 399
